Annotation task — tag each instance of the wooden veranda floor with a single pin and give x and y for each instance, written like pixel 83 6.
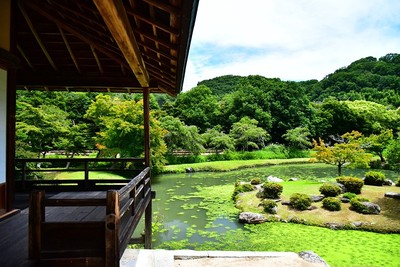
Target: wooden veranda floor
pixel 14 241
pixel 14 230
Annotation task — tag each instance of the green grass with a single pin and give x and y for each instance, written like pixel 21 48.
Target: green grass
pixel 81 175
pixel 219 166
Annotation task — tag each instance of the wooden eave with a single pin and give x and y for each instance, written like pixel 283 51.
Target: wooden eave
pixel 103 45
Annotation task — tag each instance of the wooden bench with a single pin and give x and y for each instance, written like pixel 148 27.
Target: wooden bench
pixel 88 228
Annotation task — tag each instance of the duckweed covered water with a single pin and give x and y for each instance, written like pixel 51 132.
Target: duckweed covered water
pixel 195 211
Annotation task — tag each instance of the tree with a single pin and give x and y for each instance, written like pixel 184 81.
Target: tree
pixel 393 153
pixel 377 143
pixel 181 136
pixel 217 140
pixel 121 130
pixel 40 127
pixel 298 138
pixel 247 135
pixel 349 152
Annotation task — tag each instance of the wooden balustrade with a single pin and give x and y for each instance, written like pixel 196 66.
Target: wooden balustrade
pixel 26 168
pixel 88 228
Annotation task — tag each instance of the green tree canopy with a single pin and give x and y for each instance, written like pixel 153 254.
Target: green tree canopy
pixel 248 135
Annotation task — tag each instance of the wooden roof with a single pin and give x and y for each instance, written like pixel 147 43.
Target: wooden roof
pixel 103 45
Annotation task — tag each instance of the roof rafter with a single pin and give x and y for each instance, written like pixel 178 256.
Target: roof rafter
pixel 71 53
pixel 36 35
pixel 116 19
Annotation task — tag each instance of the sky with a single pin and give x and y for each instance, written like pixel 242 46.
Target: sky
pixel 294 40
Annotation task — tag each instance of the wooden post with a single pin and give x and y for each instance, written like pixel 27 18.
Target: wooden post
pixel 36 217
pixel 148 211
pixel 146 121
pixel 86 175
pixel 112 229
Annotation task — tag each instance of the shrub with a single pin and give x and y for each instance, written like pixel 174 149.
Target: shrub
pixel 349 195
pixel 272 190
pixel 398 182
pixel 255 181
pixel 300 201
pixel 331 203
pixel 241 188
pixel 268 204
pixel 356 205
pixel 374 178
pixel 352 184
pixel 330 190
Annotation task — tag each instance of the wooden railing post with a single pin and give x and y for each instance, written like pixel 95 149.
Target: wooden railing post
pixel 23 169
pixel 36 217
pixel 112 229
pixel 86 174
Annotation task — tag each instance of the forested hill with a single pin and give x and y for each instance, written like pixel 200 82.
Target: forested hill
pixel 371 79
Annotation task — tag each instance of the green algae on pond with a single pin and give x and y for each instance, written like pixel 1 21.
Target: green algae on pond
pixel 208 221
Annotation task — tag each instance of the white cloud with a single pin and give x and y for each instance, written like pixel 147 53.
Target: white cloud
pixel 289 39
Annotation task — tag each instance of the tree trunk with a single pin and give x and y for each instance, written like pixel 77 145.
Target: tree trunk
pixel 339 169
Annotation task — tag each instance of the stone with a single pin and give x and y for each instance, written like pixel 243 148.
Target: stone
pixel 357 224
pixel 317 198
pixel 311 256
pixel 274 179
pixel 274 210
pixel 293 179
pixel 189 170
pixel 312 208
pixel 371 208
pixel 287 203
pixel 342 187
pixel 392 195
pixel 389 182
pixel 251 218
pixel 345 200
pixel 334 226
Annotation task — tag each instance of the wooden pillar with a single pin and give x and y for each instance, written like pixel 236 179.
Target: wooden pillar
pixel 8 65
pixel 146 117
pixel 148 212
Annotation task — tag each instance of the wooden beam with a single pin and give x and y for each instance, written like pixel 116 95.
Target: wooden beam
pixel 36 35
pixel 71 53
pixel 163 6
pixel 97 60
pixel 79 33
pixel 116 19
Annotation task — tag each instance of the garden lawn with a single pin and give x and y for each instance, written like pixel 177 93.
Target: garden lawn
pixel 388 220
pixel 81 175
pixel 229 165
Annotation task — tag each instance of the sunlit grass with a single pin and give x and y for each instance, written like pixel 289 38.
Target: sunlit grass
pixel 81 175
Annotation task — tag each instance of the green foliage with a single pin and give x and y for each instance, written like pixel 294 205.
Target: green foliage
pixel 349 195
pixel 268 204
pixel 348 152
pixel 393 153
pixel 181 136
pixel 398 182
pixel 357 206
pixel 330 190
pixel 248 135
pixel 374 178
pixel 241 188
pixel 352 184
pixel 298 138
pixel 300 201
pixel 331 203
pixel 255 181
pixel 272 190
pixel 217 140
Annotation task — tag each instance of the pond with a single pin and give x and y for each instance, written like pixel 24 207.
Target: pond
pixel 195 211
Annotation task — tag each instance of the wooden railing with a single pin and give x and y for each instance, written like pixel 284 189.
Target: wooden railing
pixel 27 171
pixel 99 238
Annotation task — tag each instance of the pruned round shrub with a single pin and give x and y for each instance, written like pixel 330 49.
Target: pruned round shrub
pixel 374 178
pixel 300 201
pixel 241 188
pixel 349 195
pixel 352 184
pixel 330 190
pixel 272 190
pixel 255 181
pixel 268 205
pixel 331 203
pixel 357 206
